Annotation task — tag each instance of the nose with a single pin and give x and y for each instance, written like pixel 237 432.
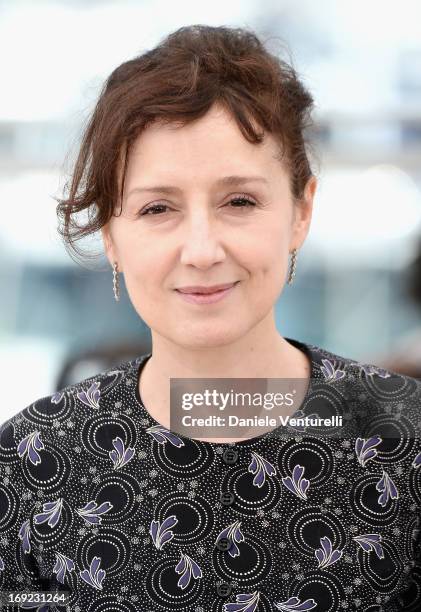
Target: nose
pixel 201 243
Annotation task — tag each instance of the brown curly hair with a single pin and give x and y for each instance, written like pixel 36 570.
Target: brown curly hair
pixel 177 82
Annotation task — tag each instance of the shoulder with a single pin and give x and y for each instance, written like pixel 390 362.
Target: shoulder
pixel 373 401
pixel 67 408
pixel 367 385
pixel 335 366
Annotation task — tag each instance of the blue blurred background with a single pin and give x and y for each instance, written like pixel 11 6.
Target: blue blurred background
pixel 362 62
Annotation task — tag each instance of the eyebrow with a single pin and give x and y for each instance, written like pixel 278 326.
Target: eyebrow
pixel 233 179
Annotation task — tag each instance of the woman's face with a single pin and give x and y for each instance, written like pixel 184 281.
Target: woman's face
pixel 202 230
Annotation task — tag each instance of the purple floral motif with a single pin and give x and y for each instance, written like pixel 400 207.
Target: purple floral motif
pixel 92 396
pixel 330 372
pixel 30 605
pixel 326 555
pixel 57 397
pixel 297 484
pixel 364 449
pixel 372 369
pixel 260 466
pixel 369 542
pixel 120 456
pixel 94 576
pixel 161 532
pixel 51 513
pixel 91 512
pixel 245 602
pixel 388 488
pixel 233 533
pixel 300 414
pixel 23 535
pixel 293 604
pixel 63 566
pixel 417 461
pixel 30 445
pixel 188 568
pixel 163 435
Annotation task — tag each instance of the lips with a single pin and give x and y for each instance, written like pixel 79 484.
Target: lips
pixel 205 290
pixel 207 299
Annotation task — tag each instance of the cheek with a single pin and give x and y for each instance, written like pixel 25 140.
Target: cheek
pixel 139 279
pixel 265 261
pixel 268 240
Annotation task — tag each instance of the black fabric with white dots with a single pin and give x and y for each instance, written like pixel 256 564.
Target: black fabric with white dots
pixel 100 500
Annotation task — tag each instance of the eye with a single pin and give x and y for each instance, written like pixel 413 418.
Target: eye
pixel 146 210
pixel 243 198
pixel 247 203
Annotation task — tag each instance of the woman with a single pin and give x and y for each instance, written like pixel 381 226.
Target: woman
pixel 195 167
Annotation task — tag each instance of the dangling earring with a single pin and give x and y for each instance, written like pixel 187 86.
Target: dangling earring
pixel 293 264
pixel 116 285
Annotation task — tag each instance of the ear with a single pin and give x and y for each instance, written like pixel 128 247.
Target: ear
pixel 303 212
pixel 108 244
pixel 310 189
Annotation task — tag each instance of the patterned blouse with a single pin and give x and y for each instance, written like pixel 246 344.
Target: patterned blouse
pixel 101 501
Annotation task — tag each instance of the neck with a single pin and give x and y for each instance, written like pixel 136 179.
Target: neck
pixel 262 353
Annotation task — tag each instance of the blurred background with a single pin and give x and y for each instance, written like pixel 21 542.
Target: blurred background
pixel 357 287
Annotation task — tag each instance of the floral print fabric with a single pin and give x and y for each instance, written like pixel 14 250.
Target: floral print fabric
pixel 100 500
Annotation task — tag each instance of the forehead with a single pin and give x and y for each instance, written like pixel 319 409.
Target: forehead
pixel 201 151
pixel 215 135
